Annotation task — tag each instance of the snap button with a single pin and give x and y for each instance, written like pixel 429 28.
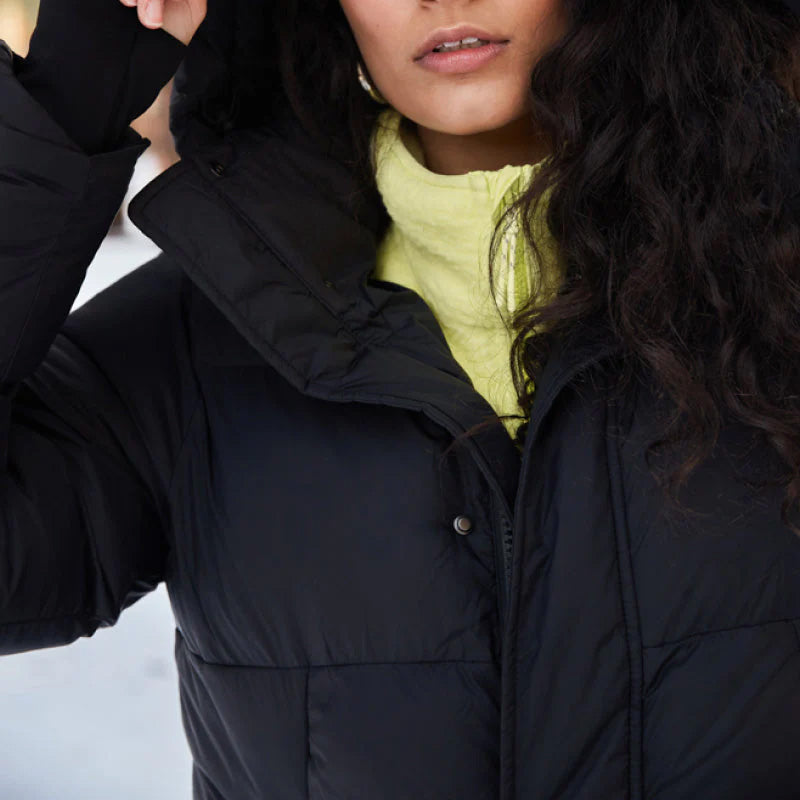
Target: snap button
pixel 217 168
pixel 462 524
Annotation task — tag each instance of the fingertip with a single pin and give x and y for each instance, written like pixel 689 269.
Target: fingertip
pixel 150 13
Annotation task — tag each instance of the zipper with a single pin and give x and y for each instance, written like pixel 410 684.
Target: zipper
pixel 508 549
pixel 502 550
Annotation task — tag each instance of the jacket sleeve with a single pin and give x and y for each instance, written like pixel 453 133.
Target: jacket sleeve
pixel 83 519
pixel 95 67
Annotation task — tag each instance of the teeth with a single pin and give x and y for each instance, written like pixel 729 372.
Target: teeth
pixel 461 44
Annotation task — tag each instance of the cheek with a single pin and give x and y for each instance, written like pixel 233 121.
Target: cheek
pixel 371 21
pixel 357 13
pixel 548 24
pixel 386 54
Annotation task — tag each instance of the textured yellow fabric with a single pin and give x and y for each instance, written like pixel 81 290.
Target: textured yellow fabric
pixel 438 245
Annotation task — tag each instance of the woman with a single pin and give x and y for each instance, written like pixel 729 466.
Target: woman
pixel 383 589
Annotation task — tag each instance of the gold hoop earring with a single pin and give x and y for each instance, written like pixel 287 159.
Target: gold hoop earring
pixel 368 87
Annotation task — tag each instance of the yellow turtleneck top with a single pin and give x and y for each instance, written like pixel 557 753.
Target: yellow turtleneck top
pixel 438 245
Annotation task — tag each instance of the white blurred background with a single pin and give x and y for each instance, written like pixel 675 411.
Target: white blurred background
pixel 100 718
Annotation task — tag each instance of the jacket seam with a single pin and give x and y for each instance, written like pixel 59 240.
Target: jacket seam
pixel 184 299
pixel 309 667
pixel 181 448
pixel 630 612
pixel 308 738
pixel 748 626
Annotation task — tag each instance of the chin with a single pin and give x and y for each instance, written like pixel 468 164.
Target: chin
pixel 476 115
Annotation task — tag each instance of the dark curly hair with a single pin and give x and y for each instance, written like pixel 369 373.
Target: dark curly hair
pixel 672 196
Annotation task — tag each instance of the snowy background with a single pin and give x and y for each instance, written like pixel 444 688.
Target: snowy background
pixel 100 719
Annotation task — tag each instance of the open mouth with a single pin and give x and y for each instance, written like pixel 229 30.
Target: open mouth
pixel 464 55
pixel 462 44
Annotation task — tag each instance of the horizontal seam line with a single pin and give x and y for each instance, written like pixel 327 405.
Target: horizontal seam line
pixel 333 666
pixel 721 630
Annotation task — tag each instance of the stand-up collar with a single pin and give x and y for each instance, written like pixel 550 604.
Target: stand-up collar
pixel 267 228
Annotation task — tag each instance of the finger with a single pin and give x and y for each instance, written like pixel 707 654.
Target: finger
pixel 129 3
pixel 151 13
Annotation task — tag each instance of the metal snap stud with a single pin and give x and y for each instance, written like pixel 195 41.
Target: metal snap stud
pixel 217 168
pixel 462 524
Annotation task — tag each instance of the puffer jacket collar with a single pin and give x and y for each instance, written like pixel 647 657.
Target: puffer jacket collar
pixel 267 227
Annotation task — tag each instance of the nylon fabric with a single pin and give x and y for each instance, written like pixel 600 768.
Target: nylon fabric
pixel 256 421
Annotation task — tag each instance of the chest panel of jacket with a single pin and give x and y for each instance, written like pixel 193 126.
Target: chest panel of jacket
pixel 316 520
pixel 316 559
pixel 692 646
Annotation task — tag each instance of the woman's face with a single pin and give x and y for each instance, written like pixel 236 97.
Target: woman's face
pixel 390 33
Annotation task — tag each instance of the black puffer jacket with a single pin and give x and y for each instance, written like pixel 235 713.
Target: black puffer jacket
pixel 360 616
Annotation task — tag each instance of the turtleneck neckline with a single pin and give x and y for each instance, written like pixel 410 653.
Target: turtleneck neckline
pixel 394 135
pixel 437 244
pixel 443 225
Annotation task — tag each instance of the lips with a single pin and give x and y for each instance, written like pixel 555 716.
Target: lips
pixel 441 35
